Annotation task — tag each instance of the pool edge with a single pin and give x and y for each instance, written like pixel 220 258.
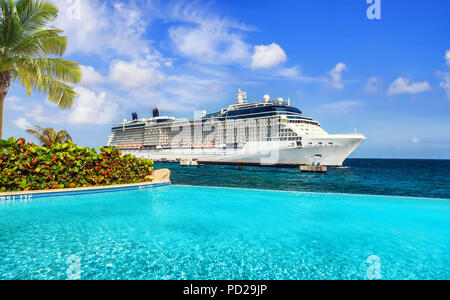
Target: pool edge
pixel 78 191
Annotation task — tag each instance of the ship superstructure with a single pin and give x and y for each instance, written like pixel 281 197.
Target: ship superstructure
pixel 270 132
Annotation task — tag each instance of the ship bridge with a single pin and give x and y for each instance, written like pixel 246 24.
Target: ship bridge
pixel 267 108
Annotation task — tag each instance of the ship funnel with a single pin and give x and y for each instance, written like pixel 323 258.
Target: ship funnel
pixel 134 116
pixel 155 113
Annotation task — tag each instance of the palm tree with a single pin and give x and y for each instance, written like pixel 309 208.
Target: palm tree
pixel 31 53
pixel 48 136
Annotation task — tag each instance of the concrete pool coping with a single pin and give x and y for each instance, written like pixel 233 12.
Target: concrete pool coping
pixel 28 195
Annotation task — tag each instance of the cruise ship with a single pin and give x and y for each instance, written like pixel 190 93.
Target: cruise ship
pixel 268 132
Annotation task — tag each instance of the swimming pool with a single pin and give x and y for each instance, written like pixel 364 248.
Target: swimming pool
pixel 186 232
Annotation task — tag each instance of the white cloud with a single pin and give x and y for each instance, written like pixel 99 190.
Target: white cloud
pixel 91 77
pixel 267 57
pixel 335 76
pixel 42 112
pixel 415 140
pixel 405 86
pixel 32 110
pixel 447 57
pixel 210 42
pixel 88 108
pixel 22 123
pixel 103 28
pixel 292 72
pixel 196 13
pixel 372 85
pixel 340 107
pixel 92 108
pixel 135 74
pixel 14 103
pixel 445 84
pixel 37 114
pixel 192 92
pixel 206 37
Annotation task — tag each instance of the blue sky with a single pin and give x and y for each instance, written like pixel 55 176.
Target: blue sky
pixel 388 78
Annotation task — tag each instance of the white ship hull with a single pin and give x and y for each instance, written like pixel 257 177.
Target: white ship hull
pixel 264 153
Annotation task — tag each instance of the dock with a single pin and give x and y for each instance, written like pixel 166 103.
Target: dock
pixel 302 166
pixel 314 169
pixel 249 164
pixel 189 162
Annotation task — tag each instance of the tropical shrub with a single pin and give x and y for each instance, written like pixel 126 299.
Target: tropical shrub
pixel 26 166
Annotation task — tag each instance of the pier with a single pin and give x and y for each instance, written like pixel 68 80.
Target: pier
pixel 249 164
pixel 189 162
pixel 194 162
pixel 302 166
pixel 313 169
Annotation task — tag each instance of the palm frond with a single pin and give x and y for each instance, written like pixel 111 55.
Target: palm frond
pixel 41 136
pixel 35 15
pixel 10 25
pixel 56 68
pixel 42 74
pixel 52 135
pixel 62 136
pixel 48 136
pixel 42 43
pixel 60 69
pixel 58 92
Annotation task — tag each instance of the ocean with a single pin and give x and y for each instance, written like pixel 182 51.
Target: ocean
pixel 393 177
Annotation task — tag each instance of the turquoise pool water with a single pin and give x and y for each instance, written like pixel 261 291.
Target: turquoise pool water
pixel 184 232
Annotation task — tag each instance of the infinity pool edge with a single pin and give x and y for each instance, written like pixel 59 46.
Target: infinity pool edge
pixel 313 193
pixel 76 191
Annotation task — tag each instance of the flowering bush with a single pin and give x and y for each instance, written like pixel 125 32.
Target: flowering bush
pixel 26 166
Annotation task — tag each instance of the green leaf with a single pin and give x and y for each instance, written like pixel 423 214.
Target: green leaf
pixel 23 184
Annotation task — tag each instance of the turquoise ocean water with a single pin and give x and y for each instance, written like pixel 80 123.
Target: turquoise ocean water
pixel 419 178
pixel 185 232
